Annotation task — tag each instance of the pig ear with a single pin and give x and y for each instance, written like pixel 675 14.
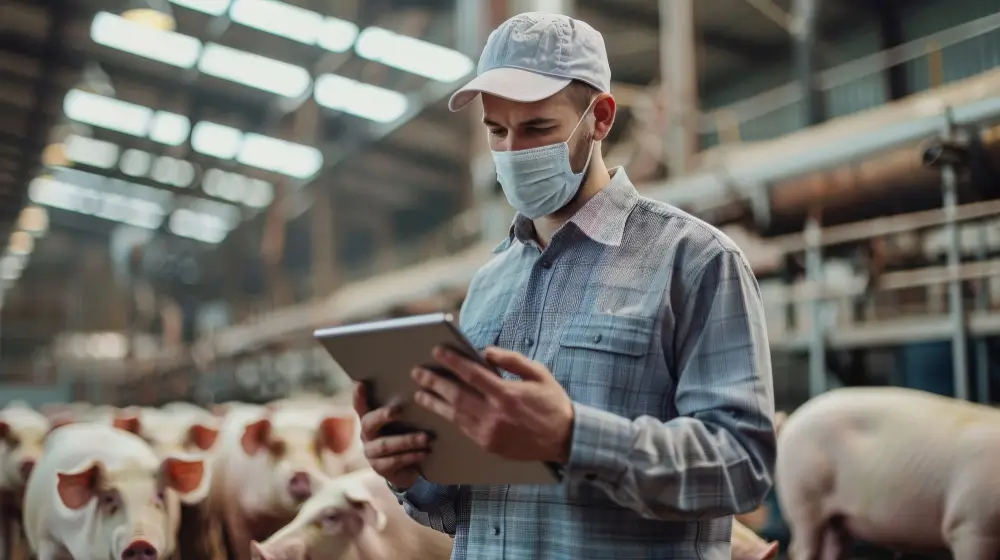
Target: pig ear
pixel 203 436
pixel 78 487
pixel 127 420
pixel 361 499
pixel 256 436
pixel 337 433
pixel 58 422
pixel 219 410
pixel 188 478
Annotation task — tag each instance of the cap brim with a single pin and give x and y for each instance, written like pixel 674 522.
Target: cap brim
pixel 514 84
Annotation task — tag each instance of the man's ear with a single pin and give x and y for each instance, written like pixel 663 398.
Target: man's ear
pixel 605 110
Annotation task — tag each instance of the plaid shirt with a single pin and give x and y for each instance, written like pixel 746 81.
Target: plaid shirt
pixel 652 321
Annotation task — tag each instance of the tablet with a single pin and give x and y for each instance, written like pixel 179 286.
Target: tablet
pixel 381 354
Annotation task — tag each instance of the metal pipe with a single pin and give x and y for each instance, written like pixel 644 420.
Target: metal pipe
pixel 679 82
pixel 805 61
pixel 817 331
pixel 956 309
pixel 982 305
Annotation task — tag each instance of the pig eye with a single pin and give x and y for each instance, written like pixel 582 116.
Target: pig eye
pixel 109 503
pixel 329 521
pixel 160 496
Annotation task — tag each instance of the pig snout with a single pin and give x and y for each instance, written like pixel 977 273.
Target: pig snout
pixel 139 550
pixel 25 467
pixel 300 486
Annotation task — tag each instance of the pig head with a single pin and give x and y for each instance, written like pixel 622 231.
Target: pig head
pixel 341 518
pixel 22 439
pixel 286 453
pixel 747 545
pixel 129 512
pixel 170 433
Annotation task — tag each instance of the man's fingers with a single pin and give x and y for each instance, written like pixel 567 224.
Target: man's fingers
pixel 395 445
pixel 433 403
pixel 388 466
pixel 516 363
pixel 471 373
pixel 360 399
pixel 373 422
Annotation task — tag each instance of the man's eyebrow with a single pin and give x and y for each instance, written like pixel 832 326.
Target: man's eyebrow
pixel 537 121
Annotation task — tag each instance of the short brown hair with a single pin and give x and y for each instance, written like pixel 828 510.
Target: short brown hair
pixel 581 94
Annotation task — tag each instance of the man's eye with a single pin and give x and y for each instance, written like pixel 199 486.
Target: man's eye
pixel 497 131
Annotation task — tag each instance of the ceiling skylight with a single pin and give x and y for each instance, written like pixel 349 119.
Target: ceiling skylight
pixel 337 35
pixel 413 55
pixel 234 187
pixel 278 18
pixel 167 47
pixel 359 99
pixel 254 70
pixel 169 128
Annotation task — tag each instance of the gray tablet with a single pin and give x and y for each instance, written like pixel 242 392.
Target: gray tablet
pixel 381 354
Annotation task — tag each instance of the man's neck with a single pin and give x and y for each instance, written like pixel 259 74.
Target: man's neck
pixel 597 179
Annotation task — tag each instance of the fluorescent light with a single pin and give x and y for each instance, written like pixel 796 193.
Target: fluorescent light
pixel 337 35
pixel 92 152
pixel 254 193
pixel 135 163
pixel 413 55
pixel 359 99
pixel 108 205
pixel 254 71
pixel 280 156
pixel 172 171
pixel 169 128
pixel 167 47
pixel 197 226
pixel 210 7
pixel 278 18
pixel 107 112
pixel 216 140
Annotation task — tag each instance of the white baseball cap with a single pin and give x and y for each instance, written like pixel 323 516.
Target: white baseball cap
pixel 533 56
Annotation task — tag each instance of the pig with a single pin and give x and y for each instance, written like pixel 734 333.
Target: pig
pixel 355 517
pixel 268 461
pixel 900 468
pixel 22 432
pixel 747 545
pixel 102 493
pixel 170 432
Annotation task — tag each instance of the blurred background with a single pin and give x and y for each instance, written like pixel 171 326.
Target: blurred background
pixel 189 188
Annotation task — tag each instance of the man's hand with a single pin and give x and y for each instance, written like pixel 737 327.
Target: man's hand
pixel 528 420
pixel 394 457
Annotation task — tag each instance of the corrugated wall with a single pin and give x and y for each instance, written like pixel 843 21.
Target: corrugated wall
pixel 959 61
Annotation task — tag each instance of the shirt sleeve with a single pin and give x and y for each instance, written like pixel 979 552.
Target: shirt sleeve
pixel 432 505
pixel 715 457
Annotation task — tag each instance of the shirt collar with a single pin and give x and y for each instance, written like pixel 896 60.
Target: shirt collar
pixel 602 218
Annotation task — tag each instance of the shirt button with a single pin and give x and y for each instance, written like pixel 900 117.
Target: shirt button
pixel 546 263
pixel 597 337
pixel 496 530
pixel 528 342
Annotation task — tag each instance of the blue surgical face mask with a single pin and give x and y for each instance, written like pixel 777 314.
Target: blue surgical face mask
pixel 540 181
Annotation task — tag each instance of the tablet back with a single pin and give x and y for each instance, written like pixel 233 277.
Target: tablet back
pixel 382 354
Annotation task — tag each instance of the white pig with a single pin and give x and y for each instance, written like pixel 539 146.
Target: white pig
pixel 355 517
pixel 100 493
pixel 895 467
pixel 268 462
pixel 22 433
pixel 170 431
pixel 747 545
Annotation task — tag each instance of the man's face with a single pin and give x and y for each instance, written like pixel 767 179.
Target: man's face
pixel 520 126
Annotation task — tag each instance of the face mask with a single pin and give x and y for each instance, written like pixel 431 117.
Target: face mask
pixel 540 181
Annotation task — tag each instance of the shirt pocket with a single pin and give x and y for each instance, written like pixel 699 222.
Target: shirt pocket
pixel 602 360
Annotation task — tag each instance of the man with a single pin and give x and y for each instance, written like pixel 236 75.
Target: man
pixel 631 336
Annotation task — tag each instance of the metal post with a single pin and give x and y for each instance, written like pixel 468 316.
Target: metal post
pixel 817 331
pixel 982 305
pixel 679 82
pixel 956 310
pixel 804 15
